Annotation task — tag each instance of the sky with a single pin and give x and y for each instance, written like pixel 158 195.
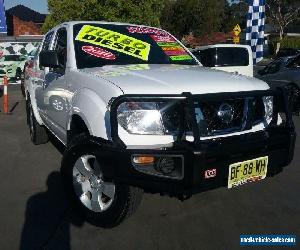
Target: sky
pixel 37 5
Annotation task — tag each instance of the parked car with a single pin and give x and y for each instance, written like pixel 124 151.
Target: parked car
pixel 226 57
pixel 137 112
pixel 284 72
pixel 2 72
pixel 281 70
pixel 13 65
pixel 28 66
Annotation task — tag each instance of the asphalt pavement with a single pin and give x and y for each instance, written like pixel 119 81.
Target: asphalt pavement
pixel 35 215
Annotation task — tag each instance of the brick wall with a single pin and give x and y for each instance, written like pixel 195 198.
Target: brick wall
pixel 21 27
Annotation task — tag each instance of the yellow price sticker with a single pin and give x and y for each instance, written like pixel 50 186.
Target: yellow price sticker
pixel 114 41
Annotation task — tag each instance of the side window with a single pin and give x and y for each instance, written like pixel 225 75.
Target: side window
pixel 61 48
pixel 45 46
pixel 47 41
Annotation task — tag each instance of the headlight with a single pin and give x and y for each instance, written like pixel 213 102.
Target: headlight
pixel 150 118
pixel 269 106
pixel 141 118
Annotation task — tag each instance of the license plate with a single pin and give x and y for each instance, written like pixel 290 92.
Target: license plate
pixel 247 171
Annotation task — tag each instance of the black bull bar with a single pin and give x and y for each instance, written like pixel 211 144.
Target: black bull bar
pixel 282 105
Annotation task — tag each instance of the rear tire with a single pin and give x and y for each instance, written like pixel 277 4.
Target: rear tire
pixel 38 133
pixel 101 202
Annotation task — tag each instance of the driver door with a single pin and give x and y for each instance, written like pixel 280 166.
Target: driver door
pixel 55 91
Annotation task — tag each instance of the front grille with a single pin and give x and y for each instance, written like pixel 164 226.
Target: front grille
pixel 227 116
pixel 209 120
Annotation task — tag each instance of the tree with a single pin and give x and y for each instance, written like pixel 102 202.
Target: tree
pixel 281 13
pixel 198 17
pixel 134 11
pixel 235 13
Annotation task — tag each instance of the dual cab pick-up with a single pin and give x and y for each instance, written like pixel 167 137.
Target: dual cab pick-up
pixel 137 112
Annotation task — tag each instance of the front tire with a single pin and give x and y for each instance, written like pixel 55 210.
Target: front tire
pixel 101 201
pixel 38 133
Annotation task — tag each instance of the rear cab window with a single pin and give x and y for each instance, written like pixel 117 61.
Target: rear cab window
pixel 227 56
pixel 223 57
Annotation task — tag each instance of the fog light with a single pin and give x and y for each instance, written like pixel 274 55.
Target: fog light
pixel 144 160
pixel 165 165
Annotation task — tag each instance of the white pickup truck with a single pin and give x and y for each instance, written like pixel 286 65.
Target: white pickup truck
pixel 137 112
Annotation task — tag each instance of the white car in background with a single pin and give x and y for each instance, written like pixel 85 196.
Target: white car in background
pixel 226 57
pixel 12 65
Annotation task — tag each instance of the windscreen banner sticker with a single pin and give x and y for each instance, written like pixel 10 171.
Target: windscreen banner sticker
pixel 181 58
pixel 166 48
pixel 99 52
pixel 164 45
pixel 146 30
pixel 164 39
pixel 121 70
pixel 172 48
pixel 114 41
pixel 175 52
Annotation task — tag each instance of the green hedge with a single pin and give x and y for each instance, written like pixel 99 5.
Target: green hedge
pixel 287 42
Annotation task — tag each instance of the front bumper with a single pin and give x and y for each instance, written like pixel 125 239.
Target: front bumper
pixel 276 142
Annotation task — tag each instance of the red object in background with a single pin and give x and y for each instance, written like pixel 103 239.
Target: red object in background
pixel 213 38
pixel 1 53
pixel 5 95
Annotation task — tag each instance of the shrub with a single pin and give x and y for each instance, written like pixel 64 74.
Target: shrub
pixel 287 42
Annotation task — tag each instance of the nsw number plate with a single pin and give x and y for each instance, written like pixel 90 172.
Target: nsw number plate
pixel 247 171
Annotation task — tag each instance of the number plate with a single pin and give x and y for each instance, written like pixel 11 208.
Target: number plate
pixel 247 171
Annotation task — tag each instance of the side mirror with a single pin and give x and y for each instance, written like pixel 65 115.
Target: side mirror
pixel 49 58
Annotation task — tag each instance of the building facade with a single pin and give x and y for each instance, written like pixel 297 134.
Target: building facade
pixel 22 20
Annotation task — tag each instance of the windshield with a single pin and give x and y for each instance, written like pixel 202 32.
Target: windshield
pixel 97 45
